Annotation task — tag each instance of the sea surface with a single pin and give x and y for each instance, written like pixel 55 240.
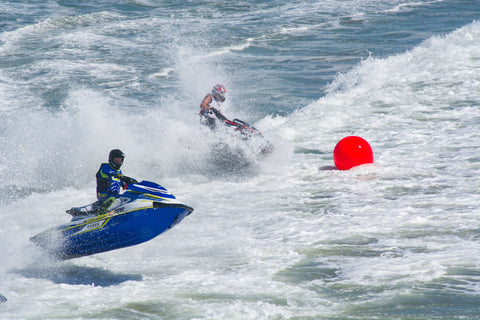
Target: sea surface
pixel 274 238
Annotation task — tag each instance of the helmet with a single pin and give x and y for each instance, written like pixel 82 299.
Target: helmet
pixel 218 92
pixel 115 153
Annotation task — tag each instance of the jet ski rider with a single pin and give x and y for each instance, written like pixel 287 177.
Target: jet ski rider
pixel 110 179
pixel 210 107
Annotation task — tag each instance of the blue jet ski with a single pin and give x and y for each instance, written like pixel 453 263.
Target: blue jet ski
pixel 141 213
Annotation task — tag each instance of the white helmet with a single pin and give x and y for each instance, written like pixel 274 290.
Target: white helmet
pixel 218 92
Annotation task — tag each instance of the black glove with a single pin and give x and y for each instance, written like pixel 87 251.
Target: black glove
pixel 126 179
pixel 218 114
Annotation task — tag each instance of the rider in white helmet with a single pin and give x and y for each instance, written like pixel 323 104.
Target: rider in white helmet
pixel 211 105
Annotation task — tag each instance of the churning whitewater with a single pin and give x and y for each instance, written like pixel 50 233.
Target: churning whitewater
pixel 270 237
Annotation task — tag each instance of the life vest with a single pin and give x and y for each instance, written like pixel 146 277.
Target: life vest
pixel 108 181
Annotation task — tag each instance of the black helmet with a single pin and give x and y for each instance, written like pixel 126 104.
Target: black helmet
pixel 115 153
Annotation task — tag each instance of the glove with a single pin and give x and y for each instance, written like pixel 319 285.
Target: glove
pixel 218 114
pixel 127 180
pixel 130 180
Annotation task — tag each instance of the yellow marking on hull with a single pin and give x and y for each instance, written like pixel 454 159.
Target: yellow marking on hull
pixel 107 216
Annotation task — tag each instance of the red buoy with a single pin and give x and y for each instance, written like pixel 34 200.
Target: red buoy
pixel 352 151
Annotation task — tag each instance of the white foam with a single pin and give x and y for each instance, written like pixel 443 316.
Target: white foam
pixel 272 244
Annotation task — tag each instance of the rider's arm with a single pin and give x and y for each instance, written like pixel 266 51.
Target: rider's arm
pixel 206 102
pixel 126 179
pixel 218 114
pixel 113 183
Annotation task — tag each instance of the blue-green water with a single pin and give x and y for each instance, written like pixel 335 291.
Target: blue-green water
pixel 279 239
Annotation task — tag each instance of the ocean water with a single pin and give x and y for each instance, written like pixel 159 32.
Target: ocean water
pixel 277 238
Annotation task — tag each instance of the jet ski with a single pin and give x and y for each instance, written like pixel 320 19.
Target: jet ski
pixel 242 130
pixel 250 132
pixel 142 212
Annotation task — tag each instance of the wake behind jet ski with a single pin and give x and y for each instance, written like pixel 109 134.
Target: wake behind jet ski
pixel 142 212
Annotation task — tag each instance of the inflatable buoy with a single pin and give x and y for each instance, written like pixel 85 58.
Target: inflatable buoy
pixel 352 151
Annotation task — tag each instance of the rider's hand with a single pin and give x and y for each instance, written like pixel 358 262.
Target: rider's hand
pixel 130 180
